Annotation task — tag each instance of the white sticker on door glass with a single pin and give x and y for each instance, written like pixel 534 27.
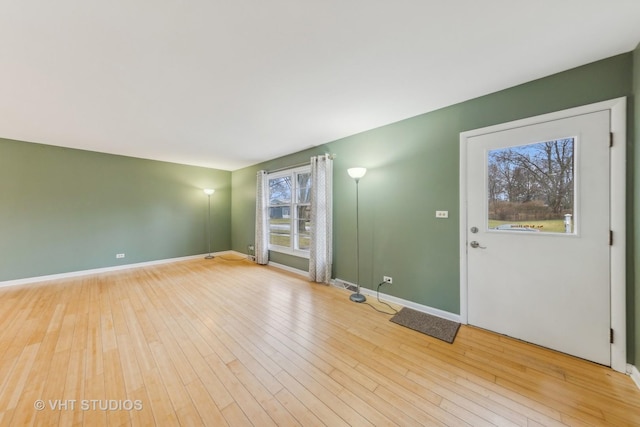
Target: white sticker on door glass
pixel 531 187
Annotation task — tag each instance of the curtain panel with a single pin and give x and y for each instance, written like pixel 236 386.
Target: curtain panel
pixel 321 248
pixel 262 218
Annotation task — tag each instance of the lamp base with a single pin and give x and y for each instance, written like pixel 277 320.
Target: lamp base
pixel 209 257
pixel 357 297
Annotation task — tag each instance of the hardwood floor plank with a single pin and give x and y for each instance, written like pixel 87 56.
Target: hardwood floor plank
pixel 220 342
pixel 297 409
pixel 322 386
pixel 12 389
pixel 421 414
pixel 235 417
pixel 388 409
pixel 263 396
pixel 18 396
pixel 474 404
pixel 210 380
pixel 519 403
pixel 411 392
pixel 136 337
pixel 321 410
pixel 205 405
pixel 158 401
pixel 74 383
pixel 242 397
pixel 131 372
pixel 114 387
pixel 436 376
pixel 15 308
pixel 170 376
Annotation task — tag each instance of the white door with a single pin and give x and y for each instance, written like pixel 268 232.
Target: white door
pixel 538 226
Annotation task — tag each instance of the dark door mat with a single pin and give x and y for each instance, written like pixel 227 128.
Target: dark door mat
pixel 434 326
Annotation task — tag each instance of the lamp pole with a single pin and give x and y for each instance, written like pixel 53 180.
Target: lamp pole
pixel 209 192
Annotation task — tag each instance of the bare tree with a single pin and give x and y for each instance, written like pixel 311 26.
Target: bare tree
pixel 280 190
pixel 551 165
pixel 542 171
pixel 509 180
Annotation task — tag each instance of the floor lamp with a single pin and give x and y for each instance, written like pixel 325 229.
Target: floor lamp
pixel 357 173
pixel 209 192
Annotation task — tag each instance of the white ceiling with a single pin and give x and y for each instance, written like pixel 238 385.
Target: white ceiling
pixel 227 84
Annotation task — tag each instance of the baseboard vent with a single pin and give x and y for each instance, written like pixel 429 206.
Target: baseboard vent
pixel 345 285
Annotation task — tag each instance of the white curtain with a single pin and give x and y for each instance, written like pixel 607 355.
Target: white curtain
pixel 321 250
pixel 262 218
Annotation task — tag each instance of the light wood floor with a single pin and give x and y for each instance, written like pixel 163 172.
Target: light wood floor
pixel 217 342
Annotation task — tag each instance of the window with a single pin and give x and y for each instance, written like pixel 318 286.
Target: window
pixel 531 187
pixel 290 211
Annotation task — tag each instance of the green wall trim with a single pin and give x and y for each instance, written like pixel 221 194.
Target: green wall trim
pixel 65 210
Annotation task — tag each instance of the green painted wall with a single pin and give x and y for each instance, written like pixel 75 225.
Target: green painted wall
pixel 414 171
pixel 64 210
pixel 633 296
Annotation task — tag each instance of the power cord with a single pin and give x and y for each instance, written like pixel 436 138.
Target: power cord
pixel 382 302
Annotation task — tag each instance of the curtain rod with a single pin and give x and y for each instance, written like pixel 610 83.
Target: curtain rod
pixel 289 167
pixel 331 156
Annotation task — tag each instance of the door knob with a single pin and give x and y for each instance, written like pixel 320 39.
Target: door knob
pixel 476 245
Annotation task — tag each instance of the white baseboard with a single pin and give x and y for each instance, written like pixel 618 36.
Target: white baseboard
pixel 634 374
pixel 406 303
pixel 101 270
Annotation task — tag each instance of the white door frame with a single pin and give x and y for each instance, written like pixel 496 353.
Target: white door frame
pixel 618 111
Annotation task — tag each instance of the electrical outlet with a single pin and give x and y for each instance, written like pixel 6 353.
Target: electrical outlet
pixel 119 255
pixel 442 214
pixel 387 279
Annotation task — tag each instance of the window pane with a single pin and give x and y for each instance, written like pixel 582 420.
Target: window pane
pixel 280 226
pixel 304 221
pixel 531 187
pixel 303 241
pixel 280 239
pixel 279 231
pixel 304 187
pixel 280 212
pixel 280 190
pixel 304 212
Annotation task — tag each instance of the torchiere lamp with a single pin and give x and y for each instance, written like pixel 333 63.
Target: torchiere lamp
pixel 209 192
pixel 356 174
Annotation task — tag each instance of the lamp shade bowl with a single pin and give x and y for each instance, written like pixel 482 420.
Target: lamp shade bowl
pixel 356 173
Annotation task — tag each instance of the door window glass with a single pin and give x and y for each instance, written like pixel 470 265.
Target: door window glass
pixel 531 187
